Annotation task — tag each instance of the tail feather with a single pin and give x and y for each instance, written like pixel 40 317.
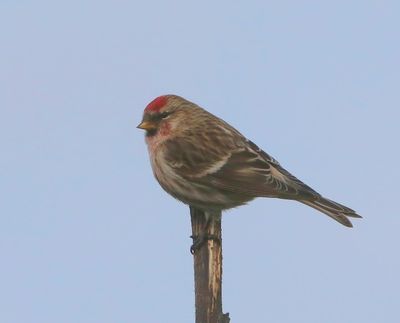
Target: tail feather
pixel 335 210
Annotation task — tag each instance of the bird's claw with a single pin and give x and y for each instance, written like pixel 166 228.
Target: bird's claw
pixel 200 240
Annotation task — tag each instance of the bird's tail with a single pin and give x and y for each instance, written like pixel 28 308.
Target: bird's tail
pixel 335 210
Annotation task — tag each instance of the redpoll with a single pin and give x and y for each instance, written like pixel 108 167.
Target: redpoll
pixel 204 162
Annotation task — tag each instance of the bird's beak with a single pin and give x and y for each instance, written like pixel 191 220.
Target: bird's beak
pixel 147 125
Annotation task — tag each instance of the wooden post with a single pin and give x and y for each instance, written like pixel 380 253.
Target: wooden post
pixel 208 270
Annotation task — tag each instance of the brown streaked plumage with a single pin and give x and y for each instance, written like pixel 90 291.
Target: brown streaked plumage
pixel 204 162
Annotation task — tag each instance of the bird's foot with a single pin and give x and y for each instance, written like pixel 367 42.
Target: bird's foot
pixel 200 240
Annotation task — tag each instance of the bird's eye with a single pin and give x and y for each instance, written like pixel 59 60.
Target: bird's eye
pixel 165 115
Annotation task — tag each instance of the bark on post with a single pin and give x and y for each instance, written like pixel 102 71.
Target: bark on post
pixel 208 271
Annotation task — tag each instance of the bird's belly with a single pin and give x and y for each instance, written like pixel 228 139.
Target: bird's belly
pixel 197 194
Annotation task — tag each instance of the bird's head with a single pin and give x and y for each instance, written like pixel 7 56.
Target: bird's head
pixel 164 115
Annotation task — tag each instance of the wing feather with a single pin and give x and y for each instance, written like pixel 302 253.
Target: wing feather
pixel 239 168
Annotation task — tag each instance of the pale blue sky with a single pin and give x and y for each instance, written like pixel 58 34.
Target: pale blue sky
pixel 86 233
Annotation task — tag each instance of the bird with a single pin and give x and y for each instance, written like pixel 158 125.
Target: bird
pixel 207 164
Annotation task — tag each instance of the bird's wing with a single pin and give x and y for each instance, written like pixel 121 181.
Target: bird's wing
pixel 243 169
pixel 252 171
pixel 190 161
